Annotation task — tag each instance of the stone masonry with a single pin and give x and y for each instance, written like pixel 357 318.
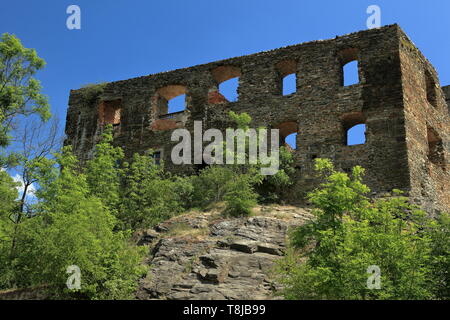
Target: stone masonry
pixel 398 98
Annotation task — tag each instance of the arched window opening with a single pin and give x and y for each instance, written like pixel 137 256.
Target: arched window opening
pixel 171 99
pixel 229 89
pixel 291 140
pixel 289 84
pixel 288 134
pixel 351 76
pixel 227 79
pixel 431 88
pixel 435 148
pixel 350 69
pixel 354 128
pixel 177 104
pixel 109 112
pixel 287 70
pixel 356 135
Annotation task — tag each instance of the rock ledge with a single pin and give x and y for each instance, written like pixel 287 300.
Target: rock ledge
pixel 205 256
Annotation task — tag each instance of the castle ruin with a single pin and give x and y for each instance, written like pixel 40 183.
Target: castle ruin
pixel 398 98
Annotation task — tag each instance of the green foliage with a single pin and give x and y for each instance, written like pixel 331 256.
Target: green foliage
pixel 350 233
pixel 8 211
pixel 240 120
pixel 440 256
pixel 20 92
pixel 103 172
pixel 92 91
pixel 232 183
pixel 273 187
pixel 8 194
pixel 150 196
pixel 240 197
pixel 212 184
pixel 222 183
pixel 71 226
pixel 140 194
pixel 9 159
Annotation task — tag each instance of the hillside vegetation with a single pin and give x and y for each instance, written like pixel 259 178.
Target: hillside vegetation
pixel 70 220
pixel 85 217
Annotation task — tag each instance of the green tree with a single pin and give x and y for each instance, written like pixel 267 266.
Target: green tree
pixel 273 187
pixel 140 194
pixel 232 183
pixel 104 173
pixel 8 210
pixel 31 158
pixel 440 256
pixel 73 227
pixel 241 196
pixel 331 255
pixel 149 195
pixel 212 184
pixel 8 194
pixel 20 92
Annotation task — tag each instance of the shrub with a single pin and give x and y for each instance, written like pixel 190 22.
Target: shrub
pixel 91 91
pixel 212 184
pixel 273 187
pixel 331 255
pixel 72 227
pixel 240 197
pixel 150 196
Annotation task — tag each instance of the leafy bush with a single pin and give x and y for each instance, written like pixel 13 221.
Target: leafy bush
pixel 332 254
pixel 240 197
pixel 71 226
pixel 440 256
pixel 273 187
pixel 8 194
pixel 150 196
pixel 104 173
pixel 91 91
pixel 140 194
pixel 212 184
pixel 232 183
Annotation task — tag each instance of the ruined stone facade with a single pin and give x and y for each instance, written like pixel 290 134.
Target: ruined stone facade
pixel 398 98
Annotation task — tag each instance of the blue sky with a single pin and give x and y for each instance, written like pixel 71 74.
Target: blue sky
pixel 122 39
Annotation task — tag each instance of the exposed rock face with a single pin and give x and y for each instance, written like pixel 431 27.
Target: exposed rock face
pixel 215 258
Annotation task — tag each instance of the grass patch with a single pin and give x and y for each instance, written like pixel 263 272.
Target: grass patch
pixel 181 229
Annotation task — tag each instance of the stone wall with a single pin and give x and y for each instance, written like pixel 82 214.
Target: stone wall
pixel 390 98
pixel 446 91
pixel 427 126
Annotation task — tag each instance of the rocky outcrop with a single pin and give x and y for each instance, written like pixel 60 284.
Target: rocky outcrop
pixel 205 256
